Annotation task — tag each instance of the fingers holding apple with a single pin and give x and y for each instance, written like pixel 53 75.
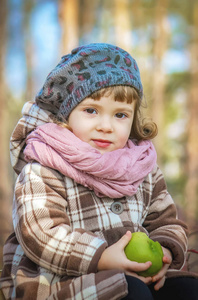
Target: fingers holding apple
pixel 142 249
pixel 160 277
pixel 109 258
pixel 135 268
pixel 167 258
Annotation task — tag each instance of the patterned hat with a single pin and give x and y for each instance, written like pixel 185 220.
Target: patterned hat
pixel 84 71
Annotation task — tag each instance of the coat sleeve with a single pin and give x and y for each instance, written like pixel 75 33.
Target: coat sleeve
pixel 162 222
pixel 43 228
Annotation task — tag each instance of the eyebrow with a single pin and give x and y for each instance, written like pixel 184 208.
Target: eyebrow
pixel 90 103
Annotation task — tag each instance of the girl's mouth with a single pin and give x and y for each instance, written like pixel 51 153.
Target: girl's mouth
pixel 102 143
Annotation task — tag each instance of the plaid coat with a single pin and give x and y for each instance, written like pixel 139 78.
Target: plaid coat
pixel 61 229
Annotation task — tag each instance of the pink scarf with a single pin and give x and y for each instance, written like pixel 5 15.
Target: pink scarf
pixel 114 174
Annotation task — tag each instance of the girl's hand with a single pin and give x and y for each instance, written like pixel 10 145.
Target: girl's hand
pixel 114 257
pixel 160 278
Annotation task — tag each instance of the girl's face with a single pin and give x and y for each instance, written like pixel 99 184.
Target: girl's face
pixel 104 124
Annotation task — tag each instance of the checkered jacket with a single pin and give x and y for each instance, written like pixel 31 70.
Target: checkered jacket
pixel 61 229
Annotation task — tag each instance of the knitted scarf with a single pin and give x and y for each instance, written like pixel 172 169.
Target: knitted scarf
pixel 114 174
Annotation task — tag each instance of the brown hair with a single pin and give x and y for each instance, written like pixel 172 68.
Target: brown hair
pixel 142 128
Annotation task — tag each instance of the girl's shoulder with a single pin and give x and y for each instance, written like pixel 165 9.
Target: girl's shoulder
pixel 37 169
pixel 154 181
pixel 36 174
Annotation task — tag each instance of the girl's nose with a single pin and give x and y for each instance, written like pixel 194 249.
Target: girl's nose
pixel 105 124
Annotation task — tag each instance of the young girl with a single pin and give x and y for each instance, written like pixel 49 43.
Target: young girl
pixel 87 179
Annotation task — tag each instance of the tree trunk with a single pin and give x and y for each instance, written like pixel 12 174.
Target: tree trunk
pixel 159 78
pixel 192 130
pixel 5 186
pixel 69 20
pixel 123 34
pixel 87 19
pixel 27 8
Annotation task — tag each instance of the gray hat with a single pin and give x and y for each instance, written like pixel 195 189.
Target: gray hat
pixel 84 71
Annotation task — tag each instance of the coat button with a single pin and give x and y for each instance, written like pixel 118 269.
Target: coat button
pixel 117 208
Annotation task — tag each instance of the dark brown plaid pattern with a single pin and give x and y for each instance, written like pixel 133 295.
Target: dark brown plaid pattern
pixel 62 228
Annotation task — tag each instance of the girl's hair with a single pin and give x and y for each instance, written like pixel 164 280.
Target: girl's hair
pixel 142 128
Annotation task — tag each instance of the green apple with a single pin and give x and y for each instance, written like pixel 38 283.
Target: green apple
pixel 142 249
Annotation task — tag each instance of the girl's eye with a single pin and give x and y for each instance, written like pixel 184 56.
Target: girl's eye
pixel 120 115
pixel 90 110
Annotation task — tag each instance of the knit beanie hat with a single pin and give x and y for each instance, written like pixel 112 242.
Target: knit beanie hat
pixel 87 69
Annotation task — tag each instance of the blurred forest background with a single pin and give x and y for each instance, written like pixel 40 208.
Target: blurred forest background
pixel 162 35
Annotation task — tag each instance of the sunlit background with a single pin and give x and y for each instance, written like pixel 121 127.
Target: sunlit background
pixel 162 35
